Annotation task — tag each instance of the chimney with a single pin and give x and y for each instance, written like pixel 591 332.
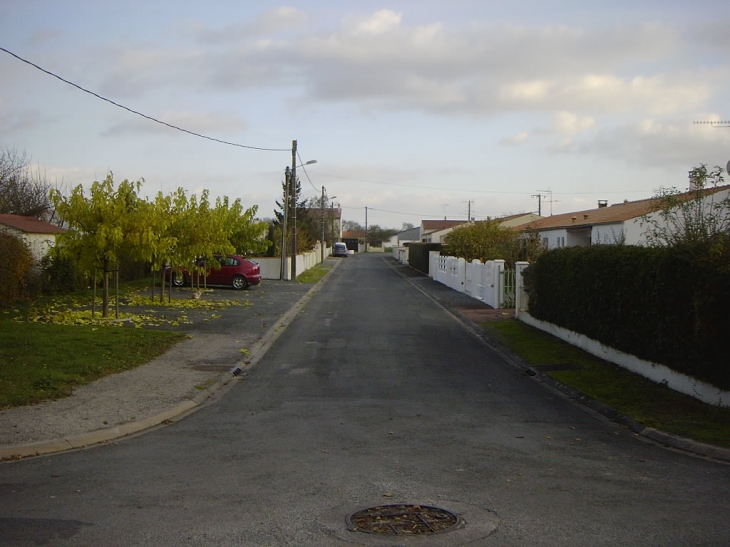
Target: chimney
pixel 602 203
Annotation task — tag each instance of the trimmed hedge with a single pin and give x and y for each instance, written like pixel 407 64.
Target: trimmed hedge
pixel 15 268
pixel 418 255
pixel 665 305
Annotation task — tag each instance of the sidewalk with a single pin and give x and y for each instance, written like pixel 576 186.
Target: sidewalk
pixel 168 387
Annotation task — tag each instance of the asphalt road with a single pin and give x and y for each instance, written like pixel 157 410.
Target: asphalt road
pixel 374 395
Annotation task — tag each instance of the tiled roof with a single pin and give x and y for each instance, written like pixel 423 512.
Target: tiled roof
pixel 438 225
pixel 605 215
pixel 30 225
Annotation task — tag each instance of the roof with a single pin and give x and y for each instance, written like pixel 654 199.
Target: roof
pixel 429 226
pixel 353 234
pixel 30 225
pixel 619 212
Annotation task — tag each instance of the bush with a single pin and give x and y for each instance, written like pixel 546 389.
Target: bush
pixel 15 269
pixel 59 274
pixel 666 305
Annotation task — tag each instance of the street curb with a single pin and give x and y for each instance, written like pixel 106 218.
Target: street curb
pixel 665 439
pixel 84 440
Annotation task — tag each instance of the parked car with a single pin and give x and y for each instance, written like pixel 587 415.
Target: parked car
pixel 235 271
pixel 339 249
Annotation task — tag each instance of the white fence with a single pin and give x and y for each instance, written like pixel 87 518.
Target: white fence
pixel 483 281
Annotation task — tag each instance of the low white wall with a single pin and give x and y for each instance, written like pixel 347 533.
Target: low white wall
pixel 271 266
pixel 660 374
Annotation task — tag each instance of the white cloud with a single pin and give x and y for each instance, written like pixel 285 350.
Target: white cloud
pixel 567 122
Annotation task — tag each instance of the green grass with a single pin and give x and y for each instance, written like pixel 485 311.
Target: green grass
pixel 313 275
pixel 43 361
pixel 644 401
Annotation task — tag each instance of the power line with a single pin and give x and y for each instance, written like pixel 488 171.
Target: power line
pixel 320 173
pixel 305 172
pixel 139 113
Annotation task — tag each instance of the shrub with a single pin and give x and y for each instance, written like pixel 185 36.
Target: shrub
pixel 15 268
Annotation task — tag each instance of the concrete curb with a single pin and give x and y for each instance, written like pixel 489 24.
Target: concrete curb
pixel 225 380
pixel 665 439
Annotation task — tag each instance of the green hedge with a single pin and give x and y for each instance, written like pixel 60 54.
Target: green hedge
pixel 666 305
pixel 15 269
pixel 418 255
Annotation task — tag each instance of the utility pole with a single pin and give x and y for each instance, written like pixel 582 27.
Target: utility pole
pixel 550 199
pixel 468 208
pixel 282 273
pixel 293 186
pixel 366 229
pixel 539 203
pixel 321 206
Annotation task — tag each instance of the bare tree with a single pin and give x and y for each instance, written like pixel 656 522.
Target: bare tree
pixel 23 190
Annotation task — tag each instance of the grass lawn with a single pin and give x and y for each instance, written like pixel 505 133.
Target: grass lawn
pixel 635 397
pixel 45 361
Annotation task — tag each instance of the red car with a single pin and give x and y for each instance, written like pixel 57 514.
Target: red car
pixel 235 271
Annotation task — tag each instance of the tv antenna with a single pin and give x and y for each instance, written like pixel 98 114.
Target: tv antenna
pixel 550 199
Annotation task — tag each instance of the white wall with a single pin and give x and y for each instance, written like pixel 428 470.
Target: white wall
pixel 656 372
pixel 271 266
pixel 39 244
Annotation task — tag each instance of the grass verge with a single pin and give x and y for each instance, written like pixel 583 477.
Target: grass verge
pixel 44 361
pixel 314 274
pixel 635 397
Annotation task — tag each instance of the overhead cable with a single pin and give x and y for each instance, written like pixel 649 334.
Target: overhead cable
pixel 139 113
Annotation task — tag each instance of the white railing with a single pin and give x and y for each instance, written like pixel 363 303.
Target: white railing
pixel 483 281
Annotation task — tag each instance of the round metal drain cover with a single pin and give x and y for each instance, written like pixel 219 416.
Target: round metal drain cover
pixel 396 520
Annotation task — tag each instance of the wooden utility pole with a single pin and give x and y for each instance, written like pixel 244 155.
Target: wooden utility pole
pixel 293 185
pixel 321 205
pixel 366 229
pixel 285 214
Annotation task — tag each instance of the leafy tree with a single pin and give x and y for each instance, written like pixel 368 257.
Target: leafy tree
pixel 102 227
pixel 487 240
pixel 352 226
pixel 304 222
pixel 699 216
pixel 23 191
pixel 377 235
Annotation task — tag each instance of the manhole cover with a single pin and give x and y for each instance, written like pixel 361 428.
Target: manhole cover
pixel 403 520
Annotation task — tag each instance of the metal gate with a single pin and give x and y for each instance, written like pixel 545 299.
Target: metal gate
pixel 507 283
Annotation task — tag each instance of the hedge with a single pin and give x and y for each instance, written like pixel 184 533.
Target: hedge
pixel 665 305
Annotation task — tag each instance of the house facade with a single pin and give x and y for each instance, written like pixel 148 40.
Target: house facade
pixel 619 223
pixel 38 235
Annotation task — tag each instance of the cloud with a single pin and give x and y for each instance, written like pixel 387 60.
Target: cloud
pixel 269 22
pixel 381 61
pixel 567 122
pixel 656 143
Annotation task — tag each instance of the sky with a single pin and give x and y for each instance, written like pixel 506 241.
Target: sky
pixel 413 109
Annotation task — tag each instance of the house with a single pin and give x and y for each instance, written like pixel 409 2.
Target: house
pixel 39 235
pixel 618 223
pixel 433 230
pixel 442 230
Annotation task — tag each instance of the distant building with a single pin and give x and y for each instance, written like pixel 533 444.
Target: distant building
pixel 39 235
